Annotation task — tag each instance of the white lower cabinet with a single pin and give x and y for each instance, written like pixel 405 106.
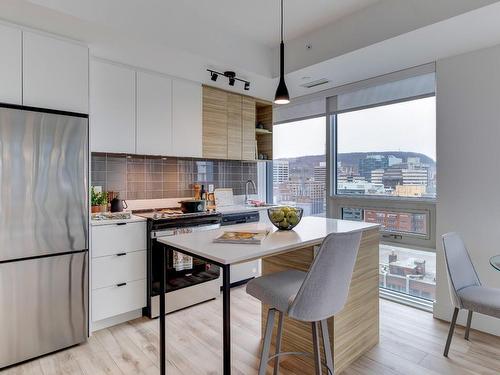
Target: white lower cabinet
pixel 116 300
pixel 118 272
pixel 116 269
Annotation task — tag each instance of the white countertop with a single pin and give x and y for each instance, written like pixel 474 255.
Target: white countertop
pixel 309 232
pixel 133 219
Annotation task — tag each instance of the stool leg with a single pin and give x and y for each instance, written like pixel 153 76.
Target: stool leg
pixel 327 346
pixel 469 321
pixel 264 356
pixel 317 350
pixel 278 343
pixel 450 333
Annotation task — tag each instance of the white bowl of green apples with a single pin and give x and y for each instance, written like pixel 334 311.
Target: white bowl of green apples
pixel 285 217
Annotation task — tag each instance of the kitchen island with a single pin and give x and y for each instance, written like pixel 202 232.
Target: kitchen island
pixel 353 331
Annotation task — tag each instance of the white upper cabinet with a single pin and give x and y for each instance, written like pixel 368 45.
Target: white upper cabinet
pixel 112 108
pixel 187 128
pixel 10 65
pixel 154 114
pixel 55 73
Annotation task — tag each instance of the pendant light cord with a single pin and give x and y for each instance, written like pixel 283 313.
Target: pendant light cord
pixel 282 20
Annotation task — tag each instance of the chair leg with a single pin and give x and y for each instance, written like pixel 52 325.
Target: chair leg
pixel 317 349
pixel 264 356
pixel 278 343
pixel 450 333
pixel 467 328
pixel 327 346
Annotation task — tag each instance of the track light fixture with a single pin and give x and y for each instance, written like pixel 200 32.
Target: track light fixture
pixel 231 76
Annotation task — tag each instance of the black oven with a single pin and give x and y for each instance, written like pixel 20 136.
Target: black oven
pixel 189 280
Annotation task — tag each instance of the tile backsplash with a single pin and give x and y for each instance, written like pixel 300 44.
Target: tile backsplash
pixel 148 177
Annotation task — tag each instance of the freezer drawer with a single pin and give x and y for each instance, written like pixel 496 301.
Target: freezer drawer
pixel 43 306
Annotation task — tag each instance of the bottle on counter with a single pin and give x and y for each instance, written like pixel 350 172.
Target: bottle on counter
pixel 203 193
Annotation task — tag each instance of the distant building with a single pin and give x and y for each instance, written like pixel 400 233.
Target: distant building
pixel 410 190
pixel 360 188
pixel 392 160
pixel 370 163
pixel 408 277
pixel 281 171
pixel 397 221
pixel 320 172
pixel 377 176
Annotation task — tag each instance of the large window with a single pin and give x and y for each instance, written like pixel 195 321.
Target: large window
pixel 388 150
pixel 299 164
pixel 384 163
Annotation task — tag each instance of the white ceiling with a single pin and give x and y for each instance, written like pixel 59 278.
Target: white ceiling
pixel 254 20
pixel 350 39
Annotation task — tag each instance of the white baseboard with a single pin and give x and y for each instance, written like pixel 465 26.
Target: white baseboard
pixel 115 320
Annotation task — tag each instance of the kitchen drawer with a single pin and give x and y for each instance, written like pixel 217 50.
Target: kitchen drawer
pixel 113 239
pixel 116 300
pixel 115 269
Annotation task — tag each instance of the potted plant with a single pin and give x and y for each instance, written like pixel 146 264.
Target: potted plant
pixel 98 201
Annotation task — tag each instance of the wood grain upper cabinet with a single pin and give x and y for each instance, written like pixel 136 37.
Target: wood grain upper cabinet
pixel 55 73
pixel 112 108
pixel 186 119
pixel 234 126
pixel 10 65
pixel 248 128
pixel 215 135
pixel 154 114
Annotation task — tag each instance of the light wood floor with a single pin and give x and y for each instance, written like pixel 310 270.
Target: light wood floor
pixel 411 343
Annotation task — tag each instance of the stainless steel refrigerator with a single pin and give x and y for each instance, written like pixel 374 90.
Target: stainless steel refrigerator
pixel 43 232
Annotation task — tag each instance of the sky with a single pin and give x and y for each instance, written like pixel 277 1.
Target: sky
pixel 406 126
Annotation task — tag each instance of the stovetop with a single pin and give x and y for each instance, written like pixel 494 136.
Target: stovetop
pixel 172 213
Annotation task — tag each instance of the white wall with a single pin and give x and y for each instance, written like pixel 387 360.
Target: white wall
pixel 468 169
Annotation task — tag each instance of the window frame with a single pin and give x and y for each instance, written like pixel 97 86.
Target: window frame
pixel 336 201
pixel 270 165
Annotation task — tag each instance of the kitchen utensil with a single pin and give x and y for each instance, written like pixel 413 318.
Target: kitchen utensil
pixel 118 205
pixel 192 205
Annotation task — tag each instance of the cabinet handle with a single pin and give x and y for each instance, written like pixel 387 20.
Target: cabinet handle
pixel 121 284
pixel 121 223
pixel 121 254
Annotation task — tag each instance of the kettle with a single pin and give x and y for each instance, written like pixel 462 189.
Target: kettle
pixel 118 205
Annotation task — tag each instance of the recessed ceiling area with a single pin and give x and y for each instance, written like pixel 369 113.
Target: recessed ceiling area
pixel 184 38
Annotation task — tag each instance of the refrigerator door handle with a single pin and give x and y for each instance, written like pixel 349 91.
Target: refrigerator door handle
pixel 121 284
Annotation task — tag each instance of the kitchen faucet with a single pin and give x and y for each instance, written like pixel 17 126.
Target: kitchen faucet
pixel 246 189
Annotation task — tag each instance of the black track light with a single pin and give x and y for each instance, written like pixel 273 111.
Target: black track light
pixel 231 77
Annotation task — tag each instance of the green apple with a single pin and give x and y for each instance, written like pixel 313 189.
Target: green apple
pixel 292 218
pixel 283 224
pixel 277 216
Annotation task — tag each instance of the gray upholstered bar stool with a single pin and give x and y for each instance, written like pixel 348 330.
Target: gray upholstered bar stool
pixel 312 297
pixel 465 287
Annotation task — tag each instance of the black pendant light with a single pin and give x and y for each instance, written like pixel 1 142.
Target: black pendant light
pixel 282 96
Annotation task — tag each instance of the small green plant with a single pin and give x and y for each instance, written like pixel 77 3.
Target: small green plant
pixel 98 199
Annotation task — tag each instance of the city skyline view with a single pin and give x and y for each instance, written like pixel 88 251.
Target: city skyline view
pixel 401 127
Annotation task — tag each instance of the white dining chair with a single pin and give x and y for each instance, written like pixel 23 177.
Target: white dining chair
pixel 465 287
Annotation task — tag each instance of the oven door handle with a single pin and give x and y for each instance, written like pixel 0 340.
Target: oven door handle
pixel 162 233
